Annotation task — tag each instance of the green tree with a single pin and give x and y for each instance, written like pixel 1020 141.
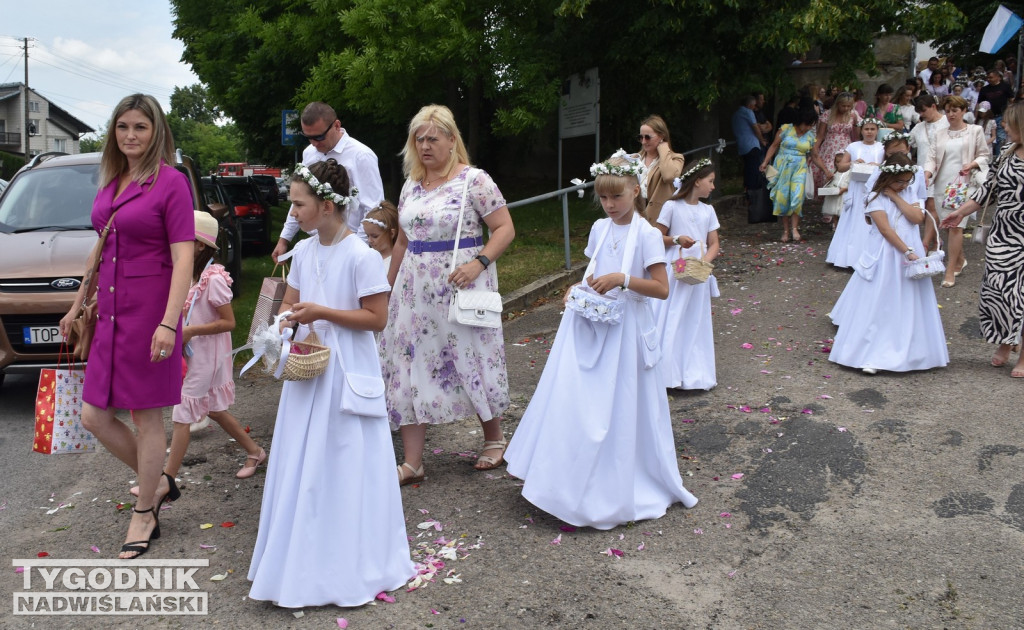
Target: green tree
pixel 93 142
pixel 194 103
pixel 200 131
pixel 499 64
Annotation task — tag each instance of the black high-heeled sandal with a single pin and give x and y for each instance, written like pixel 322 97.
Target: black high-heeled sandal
pixel 173 493
pixel 136 546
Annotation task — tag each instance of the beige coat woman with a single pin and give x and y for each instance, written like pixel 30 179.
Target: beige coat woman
pixel 943 167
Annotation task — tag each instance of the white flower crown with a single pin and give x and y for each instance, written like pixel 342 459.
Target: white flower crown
pixel 377 222
pixel 701 163
pixel 896 136
pixel 633 166
pixel 871 120
pixel 898 168
pixel 324 191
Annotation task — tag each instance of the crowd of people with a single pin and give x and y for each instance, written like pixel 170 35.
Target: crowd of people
pixel 379 285
pixel 902 175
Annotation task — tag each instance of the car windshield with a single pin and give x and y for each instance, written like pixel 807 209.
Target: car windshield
pixel 59 198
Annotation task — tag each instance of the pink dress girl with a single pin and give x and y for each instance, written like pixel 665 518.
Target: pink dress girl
pixel 209 384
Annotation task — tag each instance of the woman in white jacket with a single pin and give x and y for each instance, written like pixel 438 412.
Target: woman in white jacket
pixel 953 157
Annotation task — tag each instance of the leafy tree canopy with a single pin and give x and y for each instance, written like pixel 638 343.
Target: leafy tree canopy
pixel 499 63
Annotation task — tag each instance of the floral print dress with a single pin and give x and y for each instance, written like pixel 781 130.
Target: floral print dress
pixel 437 371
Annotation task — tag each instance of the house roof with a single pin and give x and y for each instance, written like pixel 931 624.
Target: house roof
pixel 58 115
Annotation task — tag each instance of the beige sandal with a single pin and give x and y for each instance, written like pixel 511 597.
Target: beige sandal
pixel 249 471
pixel 490 463
pixel 416 474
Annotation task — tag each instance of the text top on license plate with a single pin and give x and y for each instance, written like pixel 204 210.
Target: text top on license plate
pixel 39 335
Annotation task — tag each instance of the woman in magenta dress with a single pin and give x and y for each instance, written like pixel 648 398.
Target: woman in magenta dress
pixel 145 267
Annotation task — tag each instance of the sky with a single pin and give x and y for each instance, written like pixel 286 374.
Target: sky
pixel 85 56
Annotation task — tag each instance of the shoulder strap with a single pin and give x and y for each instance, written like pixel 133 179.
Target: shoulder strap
pixel 470 174
pixel 97 250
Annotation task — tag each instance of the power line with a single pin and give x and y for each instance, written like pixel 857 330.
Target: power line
pixel 88 67
pixel 126 85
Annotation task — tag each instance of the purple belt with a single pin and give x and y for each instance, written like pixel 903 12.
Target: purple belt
pixel 419 247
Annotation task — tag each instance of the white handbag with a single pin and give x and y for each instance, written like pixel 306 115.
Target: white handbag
pixel 586 302
pixel 930 265
pixel 472 307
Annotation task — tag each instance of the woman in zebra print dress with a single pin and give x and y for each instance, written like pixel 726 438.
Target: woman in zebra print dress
pixel 1001 301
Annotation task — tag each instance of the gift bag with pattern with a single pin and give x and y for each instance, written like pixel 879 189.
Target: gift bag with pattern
pixel 59 413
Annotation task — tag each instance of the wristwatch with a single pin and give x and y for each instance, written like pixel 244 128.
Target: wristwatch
pixel 675 239
pixel 906 254
pixel 484 260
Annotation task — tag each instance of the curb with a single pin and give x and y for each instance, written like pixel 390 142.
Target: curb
pixel 523 297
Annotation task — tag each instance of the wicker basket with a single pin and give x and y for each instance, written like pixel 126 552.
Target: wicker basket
pixel 307 359
pixel 693 270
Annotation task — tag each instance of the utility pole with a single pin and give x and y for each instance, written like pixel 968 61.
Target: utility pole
pixel 26 100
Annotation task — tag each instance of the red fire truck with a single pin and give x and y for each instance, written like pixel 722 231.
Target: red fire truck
pixel 242 169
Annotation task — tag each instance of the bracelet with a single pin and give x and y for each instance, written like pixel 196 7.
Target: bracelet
pixel 625 282
pixel 173 330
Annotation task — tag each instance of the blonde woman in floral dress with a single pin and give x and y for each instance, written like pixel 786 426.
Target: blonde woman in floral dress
pixel 836 130
pixel 437 371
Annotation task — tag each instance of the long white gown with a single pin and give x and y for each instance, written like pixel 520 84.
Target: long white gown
pixel 888 321
pixel 684 319
pixel 595 445
pixel 848 239
pixel 916 193
pixel 332 529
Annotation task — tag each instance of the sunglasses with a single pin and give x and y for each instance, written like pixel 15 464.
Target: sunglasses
pixel 320 136
pixel 645 136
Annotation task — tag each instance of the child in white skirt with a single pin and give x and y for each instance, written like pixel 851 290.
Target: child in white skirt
pixel 889 321
pixel 690 229
pixel 832 207
pixel 595 445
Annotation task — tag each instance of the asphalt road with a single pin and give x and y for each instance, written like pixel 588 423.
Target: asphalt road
pixel 828 498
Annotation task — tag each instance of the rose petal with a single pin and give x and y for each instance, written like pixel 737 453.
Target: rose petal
pixel 738 476
pixel 42 554
pixel 342 622
pixel 842 429
pixel 227 524
pixel 95 549
pixel 218 578
pixel 207 546
pixel 206 526
pixel 747 346
pixel 557 540
pixel 567 528
pixel 384 597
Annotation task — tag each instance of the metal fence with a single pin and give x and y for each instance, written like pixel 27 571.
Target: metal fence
pixel 564 193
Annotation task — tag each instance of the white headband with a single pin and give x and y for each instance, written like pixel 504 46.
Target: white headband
pixel 375 222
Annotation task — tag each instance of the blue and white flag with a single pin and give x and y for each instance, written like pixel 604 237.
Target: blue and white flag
pixel 1004 25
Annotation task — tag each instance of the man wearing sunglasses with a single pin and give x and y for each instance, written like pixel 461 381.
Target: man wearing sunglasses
pixel 327 139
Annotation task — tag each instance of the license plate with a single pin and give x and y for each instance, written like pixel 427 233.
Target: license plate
pixel 41 335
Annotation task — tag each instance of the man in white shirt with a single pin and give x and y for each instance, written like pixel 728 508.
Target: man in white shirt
pixel 926 73
pixel 921 138
pixel 327 139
